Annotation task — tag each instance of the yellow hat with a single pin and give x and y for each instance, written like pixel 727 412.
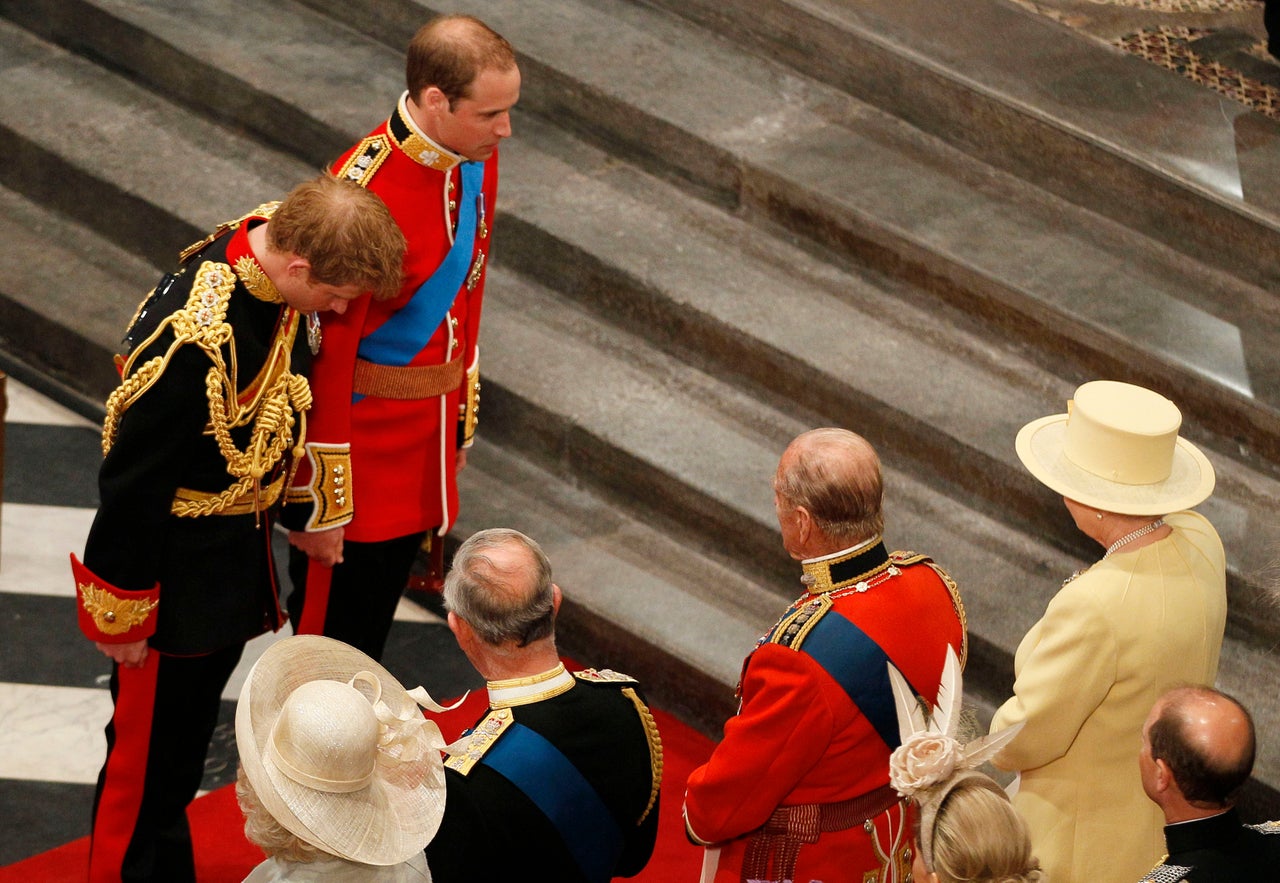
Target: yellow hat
pixel 1117 449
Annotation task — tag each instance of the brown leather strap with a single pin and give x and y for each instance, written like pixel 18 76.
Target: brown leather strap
pixel 778 841
pixel 411 382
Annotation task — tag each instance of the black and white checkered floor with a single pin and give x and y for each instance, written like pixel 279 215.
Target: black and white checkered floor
pixel 53 683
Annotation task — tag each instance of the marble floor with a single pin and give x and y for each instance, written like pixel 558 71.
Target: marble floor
pixel 54 701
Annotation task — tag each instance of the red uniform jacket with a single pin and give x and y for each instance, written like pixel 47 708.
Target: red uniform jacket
pixel 383 463
pixel 799 737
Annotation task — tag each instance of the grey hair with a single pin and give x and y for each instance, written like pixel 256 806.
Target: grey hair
pixel 835 475
pixel 501 604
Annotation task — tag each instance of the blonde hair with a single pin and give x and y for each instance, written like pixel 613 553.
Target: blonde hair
pixel 263 831
pixel 978 837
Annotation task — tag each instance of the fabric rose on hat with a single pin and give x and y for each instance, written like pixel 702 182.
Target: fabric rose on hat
pixel 922 761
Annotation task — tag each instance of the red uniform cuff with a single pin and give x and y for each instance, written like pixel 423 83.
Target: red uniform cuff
pixel 110 614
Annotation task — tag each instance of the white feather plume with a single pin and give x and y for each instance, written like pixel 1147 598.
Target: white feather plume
pixel 946 711
pixel 979 751
pixel 911 718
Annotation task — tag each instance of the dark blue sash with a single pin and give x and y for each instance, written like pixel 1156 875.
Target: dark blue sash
pixel 403 336
pixel 535 766
pixel 859 666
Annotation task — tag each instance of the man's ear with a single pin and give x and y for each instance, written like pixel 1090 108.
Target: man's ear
pixel 804 525
pixel 432 100
pixel 298 267
pixel 461 631
pixel 556 598
pixel 1164 780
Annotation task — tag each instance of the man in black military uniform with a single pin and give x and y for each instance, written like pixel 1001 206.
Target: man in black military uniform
pixel 1197 751
pixel 178 572
pixel 559 780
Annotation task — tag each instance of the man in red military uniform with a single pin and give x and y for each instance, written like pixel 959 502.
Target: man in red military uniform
pixel 199 436
pixel 799 787
pixel 396 383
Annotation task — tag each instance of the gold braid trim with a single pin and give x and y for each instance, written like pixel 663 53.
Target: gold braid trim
pixel 959 608
pixel 655 749
pixel 271 437
pixel 126 394
pixel 112 614
pixel 202 323
pixel 471 404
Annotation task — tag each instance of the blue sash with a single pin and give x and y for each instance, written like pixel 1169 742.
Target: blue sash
pixel 858 665
pixel 544 775
pixel 403 336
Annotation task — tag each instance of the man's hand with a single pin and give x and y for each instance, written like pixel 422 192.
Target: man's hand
pixel 460 463
pixel 130 655
pixel 321 546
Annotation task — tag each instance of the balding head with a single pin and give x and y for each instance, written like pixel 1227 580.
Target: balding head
pixel 1205 739
pixel 833 475
pixel 500 584
pixel 450 51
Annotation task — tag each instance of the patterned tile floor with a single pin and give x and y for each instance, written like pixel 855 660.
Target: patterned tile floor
pixel 53 683
pixel 1220 44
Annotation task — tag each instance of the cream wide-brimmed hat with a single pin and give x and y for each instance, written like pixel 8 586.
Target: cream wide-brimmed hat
pixel 1117 449
pixel 339 752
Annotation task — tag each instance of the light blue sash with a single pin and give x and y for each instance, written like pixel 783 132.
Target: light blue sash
pixel 404 335
pixel 535 766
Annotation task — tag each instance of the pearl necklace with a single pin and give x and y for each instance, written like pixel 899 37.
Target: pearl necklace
pixel 1123 541
pixel 1133 535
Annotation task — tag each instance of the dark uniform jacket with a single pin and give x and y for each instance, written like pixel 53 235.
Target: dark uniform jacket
pixel 1219 850
pixel 494 830
pixel 209 569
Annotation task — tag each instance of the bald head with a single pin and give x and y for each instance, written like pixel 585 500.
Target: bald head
pixel 1206 739
pixel 834 476
pixel 500 584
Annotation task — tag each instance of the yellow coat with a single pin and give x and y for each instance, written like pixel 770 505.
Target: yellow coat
pixel 1087 674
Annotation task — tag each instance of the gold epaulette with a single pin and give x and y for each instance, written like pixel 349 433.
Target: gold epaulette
pixel 1267 827
pixel 113 615
pixel 904 559
pixel 266 210
pixel 330 489
pixel 651 736
pixel 467 751
pixel 202 321
pixel 470 406
pixel 956 604
pixel 795 626
pixel 365 160
pixel 604 675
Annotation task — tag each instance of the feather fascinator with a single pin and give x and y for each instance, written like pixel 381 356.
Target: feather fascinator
pixel 930 762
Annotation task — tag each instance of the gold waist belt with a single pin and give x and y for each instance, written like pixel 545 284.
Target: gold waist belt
pixel 184 497
pixel 410 382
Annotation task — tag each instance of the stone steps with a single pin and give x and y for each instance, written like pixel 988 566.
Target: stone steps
pixel 65 292
pixel 700 254
pixel 820 162
pixel 1150 149
pixel 144 171
pixel 1069 261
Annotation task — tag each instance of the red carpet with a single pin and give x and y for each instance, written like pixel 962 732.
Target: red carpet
pixel 224 856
